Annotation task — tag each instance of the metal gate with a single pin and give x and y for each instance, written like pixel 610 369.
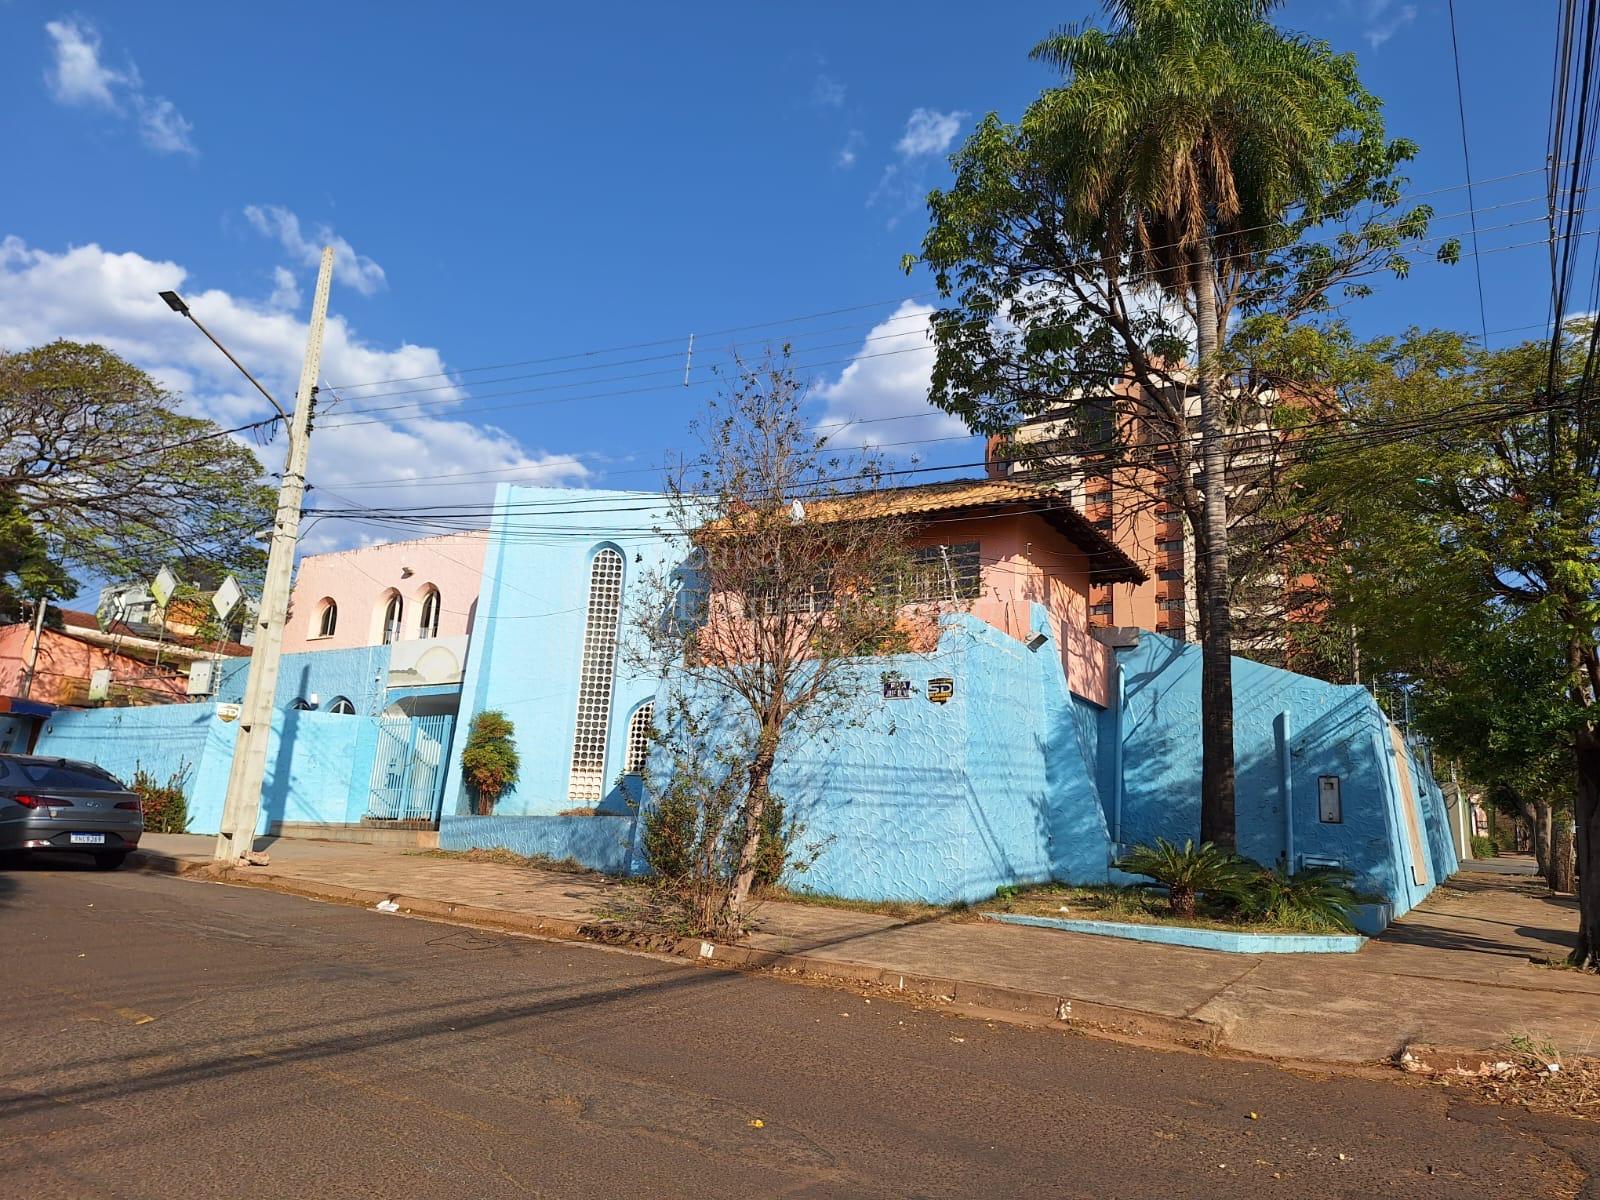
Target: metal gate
pixel 408 771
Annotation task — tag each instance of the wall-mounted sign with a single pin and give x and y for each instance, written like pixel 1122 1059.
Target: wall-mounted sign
pixel 896 689
pixel 228 712
pixel 1330 805
pixel 940 690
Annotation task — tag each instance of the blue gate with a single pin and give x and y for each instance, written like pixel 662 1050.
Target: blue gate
pixel 409 769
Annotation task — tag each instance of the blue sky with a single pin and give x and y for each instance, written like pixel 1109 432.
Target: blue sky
pixel 521 182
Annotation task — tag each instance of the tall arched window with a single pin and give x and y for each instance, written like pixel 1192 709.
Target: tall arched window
pixel 393 614
pixel 587 782
pixel 639 738
pixel 327 619
pixel 428 627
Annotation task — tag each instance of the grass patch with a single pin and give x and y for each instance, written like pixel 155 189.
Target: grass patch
pixel 1139 906
pixel 505 858
pixel 904 909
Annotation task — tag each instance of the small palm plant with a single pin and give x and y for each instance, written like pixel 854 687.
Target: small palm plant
pixel 1314 897
pixel 1188 871
pixel 490 761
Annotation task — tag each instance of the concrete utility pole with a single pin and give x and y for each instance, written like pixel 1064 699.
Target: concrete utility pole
pixel 33 655
pixel 243 804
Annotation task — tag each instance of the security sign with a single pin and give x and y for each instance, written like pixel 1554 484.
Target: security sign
pixel 896 689
pixel 940 690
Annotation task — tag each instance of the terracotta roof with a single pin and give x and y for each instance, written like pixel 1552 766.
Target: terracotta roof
pixel 988 497
pixel 73 619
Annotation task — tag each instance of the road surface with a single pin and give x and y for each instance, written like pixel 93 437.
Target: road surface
pixel 166 1038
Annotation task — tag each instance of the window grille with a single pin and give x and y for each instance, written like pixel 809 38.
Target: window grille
pixel 393 614
pixel 934 573
pixel 639 739
pixel 429 627
pixel 595 674
pixel 342 706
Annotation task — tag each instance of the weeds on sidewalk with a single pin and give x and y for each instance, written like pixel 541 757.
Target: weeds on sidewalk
pixel 505 858
pixel 1532 1075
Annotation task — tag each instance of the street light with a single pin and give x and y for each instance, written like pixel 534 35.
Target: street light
pixel 176 303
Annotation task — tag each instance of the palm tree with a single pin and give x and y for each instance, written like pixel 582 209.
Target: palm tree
pixel 1185 135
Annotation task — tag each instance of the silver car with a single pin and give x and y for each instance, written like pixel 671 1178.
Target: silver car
pixel 57 804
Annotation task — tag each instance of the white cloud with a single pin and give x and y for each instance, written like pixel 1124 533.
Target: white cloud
pixel 163 127
pixel 854 142
pixel 285 290
pixel 827 92
pixel 1382 19
pixel 887 378
pixel 929 132
pixel 87 293
pixel 78 77
pixel 349 268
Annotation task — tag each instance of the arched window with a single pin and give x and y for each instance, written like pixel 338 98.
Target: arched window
pixel 327 619
pixel 587 781
pixel 639 738
pixel 341 706
pixel 429 627
pixel 393 614
pixel 301 704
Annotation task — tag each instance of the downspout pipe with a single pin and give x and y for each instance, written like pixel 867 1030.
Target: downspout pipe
pixel 1118 724
pixel 1282 727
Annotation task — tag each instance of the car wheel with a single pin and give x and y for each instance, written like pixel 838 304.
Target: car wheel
pixel 110 862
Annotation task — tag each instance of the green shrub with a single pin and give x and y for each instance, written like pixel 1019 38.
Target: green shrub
pixel 1314 898
pixel 671 834
pixel 1484 847
pixel 1189 871
pixel 489 762
pixel 165 807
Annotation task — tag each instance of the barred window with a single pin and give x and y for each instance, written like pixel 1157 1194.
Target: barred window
pixel 935 573
pixel 639 738
pixel 595 674
pixel 393 617
pixel 429 625
pixel 817 598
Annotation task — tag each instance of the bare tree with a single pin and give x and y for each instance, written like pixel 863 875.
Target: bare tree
pixel 794 565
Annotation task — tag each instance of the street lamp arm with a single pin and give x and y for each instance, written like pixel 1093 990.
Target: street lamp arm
pixel 176 304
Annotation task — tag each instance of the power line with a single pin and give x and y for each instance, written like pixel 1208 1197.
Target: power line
pixel 1466 160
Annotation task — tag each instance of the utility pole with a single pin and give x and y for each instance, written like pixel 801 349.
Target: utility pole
pixel 242 806
pixel 33 654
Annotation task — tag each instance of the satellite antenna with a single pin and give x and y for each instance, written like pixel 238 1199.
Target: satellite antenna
pixel 797 512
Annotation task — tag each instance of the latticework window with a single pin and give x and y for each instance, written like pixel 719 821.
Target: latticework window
pixel 587 782
pixel 639 738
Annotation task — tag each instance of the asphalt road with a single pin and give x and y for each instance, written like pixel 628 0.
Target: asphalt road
pixel 165 1038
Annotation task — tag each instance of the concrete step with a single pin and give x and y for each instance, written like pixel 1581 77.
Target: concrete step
pixel 421 839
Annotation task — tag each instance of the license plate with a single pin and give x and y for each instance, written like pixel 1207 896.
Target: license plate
pixel 87 839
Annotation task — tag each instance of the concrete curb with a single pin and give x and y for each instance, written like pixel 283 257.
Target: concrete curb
pixel 979 999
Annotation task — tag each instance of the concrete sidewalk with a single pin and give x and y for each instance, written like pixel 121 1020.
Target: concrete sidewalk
pixel 1460 972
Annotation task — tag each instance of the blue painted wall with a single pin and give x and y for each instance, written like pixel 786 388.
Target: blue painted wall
pixel 359 674
pixel 527 640
pixel 318 764
pixel 1335 730
pixel 599 842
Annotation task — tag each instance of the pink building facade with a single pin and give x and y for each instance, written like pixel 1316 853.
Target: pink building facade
pixel 386 594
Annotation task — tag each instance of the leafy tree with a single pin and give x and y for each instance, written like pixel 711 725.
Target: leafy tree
pixel 28 571
pixel 790 581
pixel 94 454
pixel 1158 211
pixel 489 760
pixel 1467 497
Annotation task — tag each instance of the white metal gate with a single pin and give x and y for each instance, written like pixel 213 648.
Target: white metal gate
pixel 409 768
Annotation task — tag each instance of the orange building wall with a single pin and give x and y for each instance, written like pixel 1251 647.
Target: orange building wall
pixel 66 664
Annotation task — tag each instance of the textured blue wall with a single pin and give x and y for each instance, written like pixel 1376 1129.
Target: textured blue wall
pixel 318 764
pixel 1334 730
pixel 359 674
pixel 527 641
pixel 600 842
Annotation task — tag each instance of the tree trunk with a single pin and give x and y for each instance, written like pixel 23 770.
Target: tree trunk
pixel 1562 877
pixel 755 807
pixel 1539 818
pixel 1586 844
pixel 1216 659
pixel 1181 900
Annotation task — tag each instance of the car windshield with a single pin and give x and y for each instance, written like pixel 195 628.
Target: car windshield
pixel 55 775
